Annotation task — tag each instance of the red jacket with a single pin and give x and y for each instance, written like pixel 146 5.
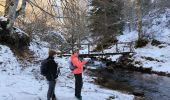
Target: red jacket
pixel 76 62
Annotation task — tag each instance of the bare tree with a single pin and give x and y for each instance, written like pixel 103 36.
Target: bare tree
pixel 75 20
pixel 139 18
pixel 11 11
pixel 6 7
pixel 128 12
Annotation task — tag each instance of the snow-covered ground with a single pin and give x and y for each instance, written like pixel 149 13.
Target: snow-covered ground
pixel 158 28
pixel 28 84
pixel 17 83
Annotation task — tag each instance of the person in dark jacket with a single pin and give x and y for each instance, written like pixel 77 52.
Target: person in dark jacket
pixel 51 74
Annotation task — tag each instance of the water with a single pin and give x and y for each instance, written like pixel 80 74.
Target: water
pixel 153 86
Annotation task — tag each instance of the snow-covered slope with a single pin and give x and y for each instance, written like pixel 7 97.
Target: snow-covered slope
pixel 28 84
pixel 8 62
pixel 157 26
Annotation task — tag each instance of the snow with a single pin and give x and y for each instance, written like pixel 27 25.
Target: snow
pixel 28 84
pixel 20 32
pixel 84 51
pixel 157 29
pixel 26 87
pixel 3 18
pixel 114 58
pixel 131 36
pixel 161 32
pixel 161 54
pixel 40 52
pixel 17 83
pixel 8 62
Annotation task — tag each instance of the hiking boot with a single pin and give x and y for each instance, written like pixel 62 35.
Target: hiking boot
pixel 54 98
pixel 79 97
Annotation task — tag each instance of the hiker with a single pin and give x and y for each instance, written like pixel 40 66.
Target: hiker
pixel 51 73
pixel 77 73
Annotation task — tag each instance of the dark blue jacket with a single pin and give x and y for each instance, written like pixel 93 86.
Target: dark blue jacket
pixel 51 69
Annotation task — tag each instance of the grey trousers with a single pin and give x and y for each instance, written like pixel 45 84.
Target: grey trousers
pixel 51 90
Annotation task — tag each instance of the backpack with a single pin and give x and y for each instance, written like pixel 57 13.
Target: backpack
pixel 43 67
pixel 71 66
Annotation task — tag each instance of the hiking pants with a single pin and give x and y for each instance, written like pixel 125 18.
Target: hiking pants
pixel 78 85
pixel 51 90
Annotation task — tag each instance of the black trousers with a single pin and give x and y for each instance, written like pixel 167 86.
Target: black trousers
pixel 78 85
pixel 51 90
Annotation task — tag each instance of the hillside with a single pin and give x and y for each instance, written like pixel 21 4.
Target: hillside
pixel 155 55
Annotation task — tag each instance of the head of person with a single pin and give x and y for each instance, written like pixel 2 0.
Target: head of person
pixel 76 52
pixel 51 53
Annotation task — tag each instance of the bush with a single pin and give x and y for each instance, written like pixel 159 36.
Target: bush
pixel 141 43
pixel 15 38
pixel 105 43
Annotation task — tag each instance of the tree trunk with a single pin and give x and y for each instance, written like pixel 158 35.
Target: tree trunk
pixel 12 13
pixel 132 16
pixel 22 9
pixel 139 17
pixel 7 3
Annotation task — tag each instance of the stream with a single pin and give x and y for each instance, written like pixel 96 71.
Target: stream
pixel 149 86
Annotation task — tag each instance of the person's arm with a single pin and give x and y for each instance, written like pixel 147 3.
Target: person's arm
pixel 84 62
pixel 78 63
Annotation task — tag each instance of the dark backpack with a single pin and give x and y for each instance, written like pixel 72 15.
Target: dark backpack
pixel 43 67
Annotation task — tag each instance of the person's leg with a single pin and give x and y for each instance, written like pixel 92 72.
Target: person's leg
pixel 51 90
pixel 53 96
pixel 78 85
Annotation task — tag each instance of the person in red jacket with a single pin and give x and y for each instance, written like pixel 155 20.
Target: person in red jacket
pixel 77 73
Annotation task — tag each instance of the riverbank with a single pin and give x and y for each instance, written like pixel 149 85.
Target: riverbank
pixel 142 86
pixel 127 62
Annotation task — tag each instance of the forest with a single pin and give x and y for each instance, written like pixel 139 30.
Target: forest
pixel 125 44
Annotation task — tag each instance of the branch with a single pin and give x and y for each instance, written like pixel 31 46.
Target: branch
pixel 2 5
pixel 44 10
pixel 22 9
